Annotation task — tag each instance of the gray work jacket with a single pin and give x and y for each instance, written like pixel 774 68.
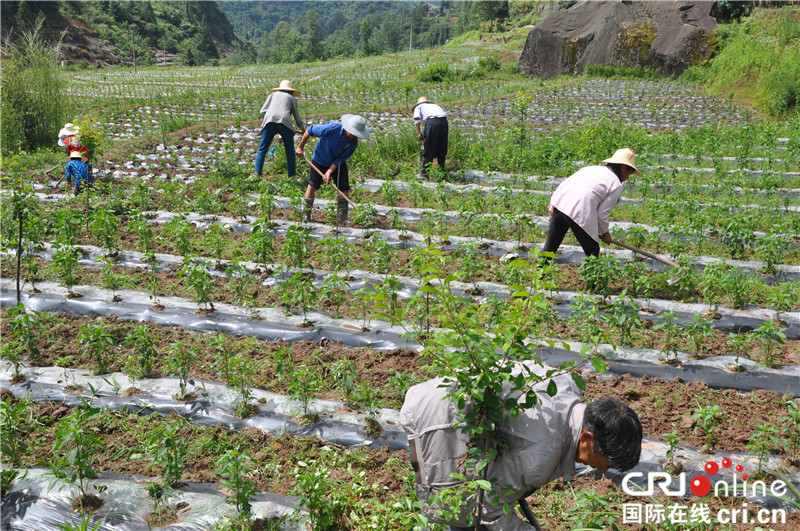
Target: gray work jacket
pixel 279 108
pixel 542 445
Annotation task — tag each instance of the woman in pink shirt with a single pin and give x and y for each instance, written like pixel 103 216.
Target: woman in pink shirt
pixel 584 200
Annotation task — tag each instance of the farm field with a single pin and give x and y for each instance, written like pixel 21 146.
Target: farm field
pixel 192 354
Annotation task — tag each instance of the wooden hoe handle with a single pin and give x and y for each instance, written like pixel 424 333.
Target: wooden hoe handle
pixel 644 253
pixel 352 204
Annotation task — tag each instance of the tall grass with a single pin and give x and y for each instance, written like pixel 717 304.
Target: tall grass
pixel 759 62
pixel 32 103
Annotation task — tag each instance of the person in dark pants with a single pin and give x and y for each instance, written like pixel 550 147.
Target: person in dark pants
pixel 434 141
pixel 584 200
pixel 276 119
pixel 337 143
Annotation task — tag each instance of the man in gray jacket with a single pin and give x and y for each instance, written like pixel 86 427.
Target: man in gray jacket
pixel 540 445
pixel 276 119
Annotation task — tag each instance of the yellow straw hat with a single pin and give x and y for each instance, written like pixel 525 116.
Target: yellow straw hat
pixel 624 156
pixel 286 86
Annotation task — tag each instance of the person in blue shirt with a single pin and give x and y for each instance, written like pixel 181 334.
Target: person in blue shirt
pixel 77 172
pixel 337 143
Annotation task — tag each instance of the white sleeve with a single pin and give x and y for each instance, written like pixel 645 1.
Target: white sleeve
pixel 418 114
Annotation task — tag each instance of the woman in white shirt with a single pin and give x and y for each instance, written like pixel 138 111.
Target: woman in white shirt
pixel 584 200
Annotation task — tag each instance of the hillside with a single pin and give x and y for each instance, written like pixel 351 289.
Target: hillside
pixel 108 32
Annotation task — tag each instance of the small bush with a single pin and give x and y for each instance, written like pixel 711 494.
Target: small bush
pixel 489 64
pixel 436 73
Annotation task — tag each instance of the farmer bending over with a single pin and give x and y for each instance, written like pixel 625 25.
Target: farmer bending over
pixel 540 445
pixel 276 115
pixel 337 143
pixel 583 201
pixel 434 141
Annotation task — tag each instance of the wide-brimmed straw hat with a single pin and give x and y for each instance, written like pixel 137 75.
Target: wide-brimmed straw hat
pixel 624 156
pixel 355 125
pixel 420 101
pixel 76 155
pixel 67 130
pixel 286 86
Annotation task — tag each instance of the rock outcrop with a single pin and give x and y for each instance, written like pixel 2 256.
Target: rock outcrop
pixel 668 36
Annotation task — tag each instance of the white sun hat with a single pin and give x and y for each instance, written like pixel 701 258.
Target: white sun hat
pixel 624 156
pixel 355 125
pixel 67 130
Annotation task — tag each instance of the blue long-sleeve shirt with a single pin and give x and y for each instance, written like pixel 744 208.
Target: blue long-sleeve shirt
pixel 333 147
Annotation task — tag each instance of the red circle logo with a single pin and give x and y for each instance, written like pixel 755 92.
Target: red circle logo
pixel 712 468
pixel 726 463
pixel 700 486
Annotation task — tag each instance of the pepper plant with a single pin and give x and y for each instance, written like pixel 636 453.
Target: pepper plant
pixel 763 442
pixel 66 260
pixel 143 350
pixel 75 447
pixel 167 451
pixel 180 361
pixel 261 240
pixel 234 466
pixel 98 341
pixel 477 361
pixel 708 418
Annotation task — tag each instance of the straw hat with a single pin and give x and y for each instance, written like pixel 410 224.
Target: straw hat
pixel 76 155
pixel 355 125
pixel 420 101
pixel 67 130
pixel 624 156
pixel 287 86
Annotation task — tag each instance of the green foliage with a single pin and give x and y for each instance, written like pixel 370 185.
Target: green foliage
pixel 759 61
pixel 593 511
pixel 167 450
pixel 14 417
pixel 709 418
pixel 76 443
pixel 33 102
pixel 142 345
pixel 234 467
pixel 763 442
pixel 304 385
pixel 180 361
pixel 97 340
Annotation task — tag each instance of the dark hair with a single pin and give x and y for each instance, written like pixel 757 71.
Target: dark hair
pixel 616 168
pixel 617 432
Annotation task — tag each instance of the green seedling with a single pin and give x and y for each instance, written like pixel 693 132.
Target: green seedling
pixel 234 466
pixel 344 376
pixel 15 418
pixel 167 451
pixel 180 361
pixel 763 442
pixel 66 260
pixel 709 418
pixel 75 448
pixel 791 430
pixel 143 353
pixel 304 385
pixel 98 341
pixel 262 241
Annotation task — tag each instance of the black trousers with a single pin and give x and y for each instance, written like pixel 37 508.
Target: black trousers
pixel 434 144
pixel 559 223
